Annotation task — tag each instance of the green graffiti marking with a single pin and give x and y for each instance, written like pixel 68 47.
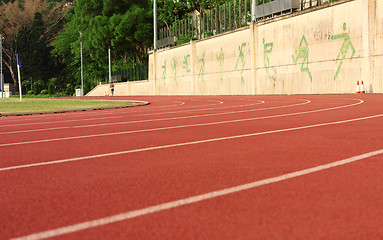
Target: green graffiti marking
pixel 221 61
pixel 347 44
pixel 202 68
pixel 174 68
pixel 186 63
pixel 163 71
pixel 267 49
pixel 241 57
pixel 303 53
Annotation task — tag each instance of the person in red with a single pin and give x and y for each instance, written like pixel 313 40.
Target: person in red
pixel 111 88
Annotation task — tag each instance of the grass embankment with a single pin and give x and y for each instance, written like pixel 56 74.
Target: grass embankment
pixel 28 105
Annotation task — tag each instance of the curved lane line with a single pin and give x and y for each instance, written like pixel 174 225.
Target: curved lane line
pixel 103 124
pixel 190 200
pixel 174 127
pixel 77 120
pixel 187 143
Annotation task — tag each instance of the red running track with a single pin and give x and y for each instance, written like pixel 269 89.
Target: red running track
pixel 217 167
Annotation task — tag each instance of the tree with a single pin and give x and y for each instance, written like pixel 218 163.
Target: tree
pixel 17 16
pixel 124 26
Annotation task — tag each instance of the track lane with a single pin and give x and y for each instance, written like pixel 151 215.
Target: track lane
pixel 42 150
pixel 196 167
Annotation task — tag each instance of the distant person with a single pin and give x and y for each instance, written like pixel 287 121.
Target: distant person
pixel 111 89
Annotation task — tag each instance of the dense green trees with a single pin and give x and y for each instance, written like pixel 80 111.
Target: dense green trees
pixel 28 27
pixel 49 43
pixel 124 26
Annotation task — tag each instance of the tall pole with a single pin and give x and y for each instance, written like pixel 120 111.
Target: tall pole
pixel 82 73
pixel 110 67
pixel 18 74
pixel 1 66
pixel 253 6
pixel 155 24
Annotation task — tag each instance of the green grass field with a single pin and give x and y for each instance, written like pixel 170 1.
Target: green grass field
pixel 13 105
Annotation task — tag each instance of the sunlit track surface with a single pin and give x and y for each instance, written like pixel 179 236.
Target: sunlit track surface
pixel 217 167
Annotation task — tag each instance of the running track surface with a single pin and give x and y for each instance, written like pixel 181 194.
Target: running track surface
pixel 217 167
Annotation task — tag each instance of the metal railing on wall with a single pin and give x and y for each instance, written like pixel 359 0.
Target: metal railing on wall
pixel 228 17
pixel 137 72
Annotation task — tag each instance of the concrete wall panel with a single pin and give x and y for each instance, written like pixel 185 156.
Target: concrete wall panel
pixel 323 50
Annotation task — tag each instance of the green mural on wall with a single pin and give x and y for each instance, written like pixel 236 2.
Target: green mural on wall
pixel 303 53
pixel 267 49
pixel 201 73
pixel 163 71
pixel 174 68
pixel 347 44
pixel 221 61
pixel 241 57
pixel 186 63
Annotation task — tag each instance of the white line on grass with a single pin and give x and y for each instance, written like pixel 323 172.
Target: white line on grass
pixel 173 127
pixel 190 200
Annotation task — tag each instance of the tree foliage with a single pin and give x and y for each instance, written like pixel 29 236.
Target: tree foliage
pixel 16 17
pixel 124 26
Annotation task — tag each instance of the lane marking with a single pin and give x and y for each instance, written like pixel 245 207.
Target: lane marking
pixel 77 120
pixel 190 200
pixel 163 119
pixel 61 121
pixel 204 109
pixel 172 127
pixel 61 115
pixel 185 143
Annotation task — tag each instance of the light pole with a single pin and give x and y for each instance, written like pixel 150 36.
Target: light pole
pixel 155 24
pixel 82 74
pixel 1 66
pixel 110 67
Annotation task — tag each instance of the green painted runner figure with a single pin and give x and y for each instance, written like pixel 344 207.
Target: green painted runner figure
pixel 221 61
pixel 347 44
pixel 186 63
pixel 241 57
pixel 202 68
pixel 267 49
pixel 174 67
pixel 303 53
pixel 163 71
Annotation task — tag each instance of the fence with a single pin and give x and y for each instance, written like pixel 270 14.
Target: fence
pixel 227 17
pixel 134 73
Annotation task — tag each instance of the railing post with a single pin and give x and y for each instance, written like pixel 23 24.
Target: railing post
pixel 230 24
pixel 240 13
pixel 235 17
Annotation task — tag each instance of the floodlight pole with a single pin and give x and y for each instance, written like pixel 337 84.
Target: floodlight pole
pixel 1 66
pixel 253 6
pixel 110 67
pixel 155 24
pixel 82 74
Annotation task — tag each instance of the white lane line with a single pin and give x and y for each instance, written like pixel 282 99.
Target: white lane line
pixel 77 120
pixel 186 143
pixel 61 121
pixel 204 109
pixel 174 127
pixel 191 200
pixel 61 115
pixel 159 119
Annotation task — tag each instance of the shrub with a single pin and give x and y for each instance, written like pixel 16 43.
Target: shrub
pixel 52 85
pixel 44 92
pixel 38 86
pixel 31 92
pixel 69 89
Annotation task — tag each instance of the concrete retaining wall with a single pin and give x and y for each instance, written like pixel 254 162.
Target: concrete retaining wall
pixel 326 49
